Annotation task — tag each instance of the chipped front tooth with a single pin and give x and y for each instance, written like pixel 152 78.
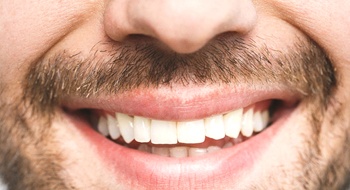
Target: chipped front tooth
pixel 142 129
pixel 191 131
pixel 126 126
pixel 113 127
pixel 247 123
pixel 214 127
pixel 232 121
pixel 163 132
pixel 258 122
pixel 178 152
pixel 161 151
pixel 196 151
pixel 265 117
pixel 102 126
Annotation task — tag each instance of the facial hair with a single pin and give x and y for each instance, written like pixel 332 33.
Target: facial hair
pixel 111 69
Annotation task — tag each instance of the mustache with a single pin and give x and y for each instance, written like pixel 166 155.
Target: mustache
pixel 110 69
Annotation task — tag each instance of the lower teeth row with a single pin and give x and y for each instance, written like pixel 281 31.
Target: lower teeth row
pixel 181 151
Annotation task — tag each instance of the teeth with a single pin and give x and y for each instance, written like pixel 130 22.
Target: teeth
pixel 126 127
pixel 196 151
pixel 232 122
pixel 181 151
pixel 144 148
pixel 265 117
pixel 113 127
pixel 258 122
pixel 178 152
pixel 191 132
pixel 142 129
pixel 227 145
pixel 163 132
pixel 211 149
pixel 247 123
pixel 216 127
pixel 102 126
pixel 261 119
pixel 161 151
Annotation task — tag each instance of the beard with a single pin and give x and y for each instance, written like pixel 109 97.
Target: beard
pixel 29 159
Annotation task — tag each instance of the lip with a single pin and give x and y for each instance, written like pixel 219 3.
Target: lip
pixel 183 103
pixel 149 171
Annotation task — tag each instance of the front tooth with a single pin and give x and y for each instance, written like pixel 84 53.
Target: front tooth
pixel 214 127
pixel 142 129
pixel 196 151
pixel 113 127
pixel 163 132
pixel 102 126
pixel 247 123
pixel 178 152
pixel 191 131
pixel 258 122
pixel 161 151
pixel 126 126
pixel 232 123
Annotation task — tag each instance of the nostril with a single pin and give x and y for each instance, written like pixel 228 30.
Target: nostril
pixel 183 26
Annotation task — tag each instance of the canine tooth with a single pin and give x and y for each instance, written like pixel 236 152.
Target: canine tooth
pixel 211 149
pixel 126 126
pixel 265 117
pixel 191 131
pixel 163 132
pixel 258 122
pixel 214 127
pixel 232 121
pixel 102 126
pixel 161 151
pixel 113 127
pixel 247 123
pixel 196 151
pixel 142 129
pixel 178 152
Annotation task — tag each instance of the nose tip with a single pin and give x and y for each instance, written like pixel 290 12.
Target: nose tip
pixel 185 26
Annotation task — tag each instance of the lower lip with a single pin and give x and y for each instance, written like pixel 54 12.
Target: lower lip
pixel 150 171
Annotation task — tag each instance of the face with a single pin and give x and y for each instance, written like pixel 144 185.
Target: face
pixel 174 94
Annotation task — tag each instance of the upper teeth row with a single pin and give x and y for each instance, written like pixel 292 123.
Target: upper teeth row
pixel 170 132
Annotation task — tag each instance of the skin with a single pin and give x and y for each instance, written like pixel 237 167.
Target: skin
pixel 34 137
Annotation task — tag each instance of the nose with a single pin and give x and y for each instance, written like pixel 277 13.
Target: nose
pixel 185 26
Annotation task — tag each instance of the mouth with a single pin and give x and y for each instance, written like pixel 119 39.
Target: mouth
pixel 141 134
pixel 183 138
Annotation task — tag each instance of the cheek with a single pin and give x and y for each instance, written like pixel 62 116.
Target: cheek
pixel 30 28
pixel 326 22
pixel 74 150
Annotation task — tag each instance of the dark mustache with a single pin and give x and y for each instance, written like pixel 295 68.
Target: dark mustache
pixel 112 69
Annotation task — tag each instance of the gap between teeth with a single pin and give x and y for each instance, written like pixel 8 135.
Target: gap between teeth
pixel 216 127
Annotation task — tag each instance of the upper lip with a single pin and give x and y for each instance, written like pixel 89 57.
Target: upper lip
pixel 183 103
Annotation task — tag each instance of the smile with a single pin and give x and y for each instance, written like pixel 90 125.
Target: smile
pixel 143 134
